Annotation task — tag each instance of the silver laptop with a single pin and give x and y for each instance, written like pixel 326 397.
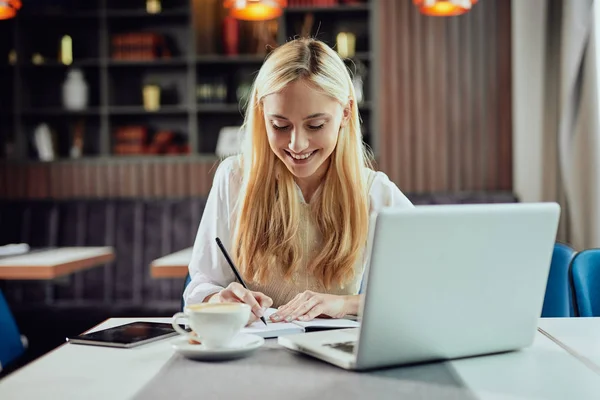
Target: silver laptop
pixel 445 282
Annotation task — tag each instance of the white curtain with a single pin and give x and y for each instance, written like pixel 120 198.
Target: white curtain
pixel 579 151
pixel 556 111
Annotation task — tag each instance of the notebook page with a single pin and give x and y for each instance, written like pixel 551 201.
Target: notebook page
pixel 273 329
pixel 320 323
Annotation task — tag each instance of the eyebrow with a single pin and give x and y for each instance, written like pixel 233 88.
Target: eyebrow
pixel 317 115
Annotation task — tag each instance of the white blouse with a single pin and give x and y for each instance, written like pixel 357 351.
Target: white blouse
pixel 209 271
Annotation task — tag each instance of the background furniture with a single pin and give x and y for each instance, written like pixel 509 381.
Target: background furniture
pixel 53 263
pixel 558 301
pixel 585 269
pixel 174 265
pixel 202 62
pixel 11 344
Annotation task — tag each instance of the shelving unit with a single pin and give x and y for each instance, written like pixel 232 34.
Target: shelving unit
pixel 31 93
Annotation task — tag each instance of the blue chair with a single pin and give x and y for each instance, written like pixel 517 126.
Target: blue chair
pixel 188 279
pixel 558 301
pixel 11 344
pixel 585 273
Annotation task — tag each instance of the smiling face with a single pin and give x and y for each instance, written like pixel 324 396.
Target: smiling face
pixel 302 127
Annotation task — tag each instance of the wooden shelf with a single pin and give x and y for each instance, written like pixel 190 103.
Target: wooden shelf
pixel 91 62
pixel 225 59
pixel 92 14
pixel 111 80
pixel 160 62
pixel 60 112
pixel 139 110
pixel 224 108
pixel 142 13
pixel 331 9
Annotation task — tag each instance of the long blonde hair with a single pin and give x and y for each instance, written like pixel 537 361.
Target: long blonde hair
pixel 266 233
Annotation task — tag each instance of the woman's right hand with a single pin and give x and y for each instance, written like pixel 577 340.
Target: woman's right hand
pixel 236 293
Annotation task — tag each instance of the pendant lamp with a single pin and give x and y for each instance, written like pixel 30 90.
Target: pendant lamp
pixel 9 8
pixel 255 10
pixel 444 8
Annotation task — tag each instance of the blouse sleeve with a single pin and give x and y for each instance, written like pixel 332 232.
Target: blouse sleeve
pixel 208 268
pixel 383 193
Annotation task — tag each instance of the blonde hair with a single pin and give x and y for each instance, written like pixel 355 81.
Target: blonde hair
pixel 266 233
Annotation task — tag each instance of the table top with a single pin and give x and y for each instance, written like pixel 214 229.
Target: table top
pixel 174 265
pixel 580 336
pixel 52 263
pixel 543 370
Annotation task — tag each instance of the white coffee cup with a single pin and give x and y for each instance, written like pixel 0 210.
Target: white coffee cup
pixel 216 324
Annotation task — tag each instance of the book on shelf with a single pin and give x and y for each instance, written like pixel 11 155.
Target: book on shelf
pixel 139 46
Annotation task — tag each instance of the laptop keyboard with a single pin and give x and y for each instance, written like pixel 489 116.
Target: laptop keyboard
pixel 347 347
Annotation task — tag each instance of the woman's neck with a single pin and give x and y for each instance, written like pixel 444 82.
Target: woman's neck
pixel 309 185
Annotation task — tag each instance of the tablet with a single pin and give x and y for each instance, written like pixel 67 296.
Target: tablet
pixel 127 336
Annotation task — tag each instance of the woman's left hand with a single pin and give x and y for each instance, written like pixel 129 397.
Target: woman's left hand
pixel 309 305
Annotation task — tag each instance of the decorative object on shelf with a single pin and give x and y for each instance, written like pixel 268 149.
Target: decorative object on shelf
pixel 130 140
pixel 78 135
pixel 37 59
pixel 44 142
pixel 153 6
pixel 266 36
pixel 151 97
pixel 12 57
pixel 66 50
pixel 231 33
pixel 255 10
pixel 229 141
pixel 137 140
pixel 211 90
pixel 139 46
pixel 9 8
pixel 444 8
pixel 346 44
pixel 75 91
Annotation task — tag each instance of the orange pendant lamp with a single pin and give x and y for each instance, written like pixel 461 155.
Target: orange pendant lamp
pixel 255 10
pixel 9 8
pixel 444 8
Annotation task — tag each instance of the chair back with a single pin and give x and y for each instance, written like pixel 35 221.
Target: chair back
pixel 585 272
pixel 558 301
pixel 188 279
pixel 11 345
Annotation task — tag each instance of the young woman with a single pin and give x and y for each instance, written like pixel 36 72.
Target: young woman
pixel 294 208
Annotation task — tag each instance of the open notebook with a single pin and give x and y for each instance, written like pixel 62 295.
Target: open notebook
pixel 275 329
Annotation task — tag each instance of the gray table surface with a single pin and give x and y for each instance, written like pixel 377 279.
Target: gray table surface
pixel 276 373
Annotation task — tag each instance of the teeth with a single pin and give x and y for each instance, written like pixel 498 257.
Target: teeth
pixel 301 157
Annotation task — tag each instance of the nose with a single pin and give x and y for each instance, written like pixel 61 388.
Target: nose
pixel 298 141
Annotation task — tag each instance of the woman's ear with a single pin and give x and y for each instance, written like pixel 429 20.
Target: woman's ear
pixel 347 113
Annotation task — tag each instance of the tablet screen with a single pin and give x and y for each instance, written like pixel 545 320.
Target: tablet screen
pixel 129 334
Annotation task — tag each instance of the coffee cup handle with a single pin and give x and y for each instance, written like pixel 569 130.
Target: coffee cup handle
pixel 176 326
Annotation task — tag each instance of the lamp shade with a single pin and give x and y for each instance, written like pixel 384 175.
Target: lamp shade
pixel 255 10
pixel 444 8
pixel 8 8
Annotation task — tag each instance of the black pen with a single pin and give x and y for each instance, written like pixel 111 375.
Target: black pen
pixel 235 271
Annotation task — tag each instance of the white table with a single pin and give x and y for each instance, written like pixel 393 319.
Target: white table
pixel 542 371
pixel 52 263
pixel 579 336
pixel 174 265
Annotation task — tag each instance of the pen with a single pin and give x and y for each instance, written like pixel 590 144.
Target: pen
pixel 235 271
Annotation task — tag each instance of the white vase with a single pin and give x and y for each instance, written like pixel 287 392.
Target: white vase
pixel 75 91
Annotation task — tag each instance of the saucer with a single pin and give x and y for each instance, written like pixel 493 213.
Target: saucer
pixel 241 346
